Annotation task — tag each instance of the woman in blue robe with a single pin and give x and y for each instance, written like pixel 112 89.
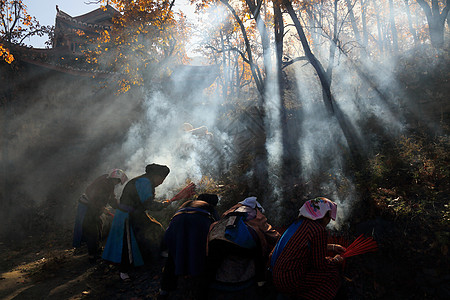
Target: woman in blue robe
pixel 135 237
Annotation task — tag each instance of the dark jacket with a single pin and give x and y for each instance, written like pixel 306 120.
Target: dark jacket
pixel 186 236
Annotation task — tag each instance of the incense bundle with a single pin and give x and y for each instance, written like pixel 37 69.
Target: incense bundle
pixel 360 246
pixel 186 192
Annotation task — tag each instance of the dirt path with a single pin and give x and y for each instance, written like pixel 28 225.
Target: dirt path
pixel 59 272
pixel 57 275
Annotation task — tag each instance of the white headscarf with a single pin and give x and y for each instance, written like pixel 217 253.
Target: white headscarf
pixel 118 173
pixel 317 208
pixel 251 202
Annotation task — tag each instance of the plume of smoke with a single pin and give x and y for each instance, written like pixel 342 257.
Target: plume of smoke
pixel 161 137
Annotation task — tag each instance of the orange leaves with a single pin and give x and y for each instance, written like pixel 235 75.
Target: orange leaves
pixel 144 33
pixel 105 36
pixel 16 23
pixel 6 55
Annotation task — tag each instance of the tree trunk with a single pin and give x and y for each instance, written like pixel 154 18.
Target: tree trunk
pixel 260 164
pixel 265 41
pixel 365 39
pixel 253 67
pixel 410 24
pixel 314 25
pixel 393 26
pixel 380 30
pixel 333 43
pixel 352 18
pixel 237 79
pixel 448 20
pixel 289 157
pixel 435 20
pixel 333 109
pixel 224 68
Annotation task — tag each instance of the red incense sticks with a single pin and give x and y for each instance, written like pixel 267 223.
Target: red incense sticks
pixel 360 246
pixel 186 192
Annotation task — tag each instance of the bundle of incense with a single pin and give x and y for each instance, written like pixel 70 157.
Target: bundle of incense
pixel 186 192
pixel 360 246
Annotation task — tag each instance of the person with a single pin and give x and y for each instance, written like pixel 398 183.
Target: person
pixel 186 238
pixel 135 237
pixel 300 266
pixel 236 263
pixel 91 205
pixel 201 131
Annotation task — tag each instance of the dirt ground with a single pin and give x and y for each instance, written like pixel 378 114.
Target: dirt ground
pixel 51 269
pixel 45 266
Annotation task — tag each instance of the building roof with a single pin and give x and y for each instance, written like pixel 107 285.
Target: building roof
pixel 101 17
pixel 98 16
pixel 62 59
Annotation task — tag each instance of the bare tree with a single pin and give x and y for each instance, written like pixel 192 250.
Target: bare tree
pixel 436 20
pixel 410 24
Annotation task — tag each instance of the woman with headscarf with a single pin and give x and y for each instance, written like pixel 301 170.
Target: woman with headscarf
pixel 236 263
pixel 186 238
pixel 135 237
pixel 300 266
pixel 88 222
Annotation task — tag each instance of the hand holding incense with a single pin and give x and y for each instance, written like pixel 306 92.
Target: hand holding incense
pixel 338 259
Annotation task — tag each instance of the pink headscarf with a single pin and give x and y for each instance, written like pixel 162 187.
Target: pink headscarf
pixel 317 208
pixel 118 173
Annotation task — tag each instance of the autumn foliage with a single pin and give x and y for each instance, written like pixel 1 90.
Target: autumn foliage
pixel 15 26
pixel 146 34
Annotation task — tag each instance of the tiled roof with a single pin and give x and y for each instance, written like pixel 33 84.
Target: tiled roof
pixel 99 18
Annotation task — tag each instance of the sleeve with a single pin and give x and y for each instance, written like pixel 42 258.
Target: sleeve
pixel 319 239
pixel 270 233
pixel 144 190
pixel 112 199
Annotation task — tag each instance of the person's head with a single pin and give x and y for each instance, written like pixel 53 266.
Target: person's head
pixel 252 202
pixel 118 176
pixel 187 127
pixel 211 199
pixel 326 219
pixel 157 173
pixel 319 208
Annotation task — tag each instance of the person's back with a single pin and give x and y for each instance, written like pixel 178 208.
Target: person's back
pixel 100 192
pixel 186 239
pixel 300 263
pixel 237 263
pixel 89 222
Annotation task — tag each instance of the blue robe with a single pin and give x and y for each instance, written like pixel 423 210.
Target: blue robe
pixel 78 228
pixel 114 244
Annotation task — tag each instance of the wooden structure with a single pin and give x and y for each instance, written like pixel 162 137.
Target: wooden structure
pixel 71 32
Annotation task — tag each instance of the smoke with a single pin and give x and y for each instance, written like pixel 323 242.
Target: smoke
pixel 68 132
pixel 274 145
pixel 162 135
pixel 52 134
